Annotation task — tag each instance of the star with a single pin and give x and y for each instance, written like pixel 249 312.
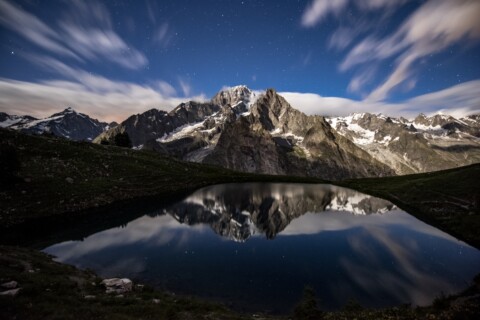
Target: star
pixel 12 53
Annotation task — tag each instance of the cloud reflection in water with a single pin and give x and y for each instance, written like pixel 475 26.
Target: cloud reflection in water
pixel 344 243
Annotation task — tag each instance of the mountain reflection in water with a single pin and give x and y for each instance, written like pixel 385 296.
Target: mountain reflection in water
pixel 343 243
pixel 238 211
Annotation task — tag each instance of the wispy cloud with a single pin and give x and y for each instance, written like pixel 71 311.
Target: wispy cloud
pixel 319 9
pixel 84 32
pixel 459 100
pixel 32 29
pixel 163 35
pixel 185 86
pixel 94 95
pixel 433 27
pixel 425 32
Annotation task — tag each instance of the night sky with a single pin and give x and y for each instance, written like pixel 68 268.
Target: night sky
pixel 111 59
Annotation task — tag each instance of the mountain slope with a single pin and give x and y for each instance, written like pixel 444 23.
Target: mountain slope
pixel 67 124
pixel 278 139
pixel 251 132
pixel 260 132
pixel 7 120
pixel 422 145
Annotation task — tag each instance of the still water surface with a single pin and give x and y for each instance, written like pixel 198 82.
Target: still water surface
pixel 255 246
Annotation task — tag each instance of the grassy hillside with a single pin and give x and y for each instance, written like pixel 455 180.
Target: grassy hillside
pixel 58 176
pixel 449 200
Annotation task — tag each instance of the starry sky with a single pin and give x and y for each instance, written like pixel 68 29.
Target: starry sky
pixel 114 58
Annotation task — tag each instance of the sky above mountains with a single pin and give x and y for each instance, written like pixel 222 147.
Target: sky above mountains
pixel 114 58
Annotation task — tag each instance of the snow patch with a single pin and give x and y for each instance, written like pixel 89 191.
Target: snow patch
pixel 181 132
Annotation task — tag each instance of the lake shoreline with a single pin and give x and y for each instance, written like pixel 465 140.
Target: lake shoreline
pixel 62 291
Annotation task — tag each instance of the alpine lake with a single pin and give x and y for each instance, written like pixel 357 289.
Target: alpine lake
pixel 255 246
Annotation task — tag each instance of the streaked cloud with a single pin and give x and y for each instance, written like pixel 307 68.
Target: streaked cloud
pixel 32 29
pixel 319 9
pixel 96 96
pixel 426 32
pixel 459 100
pixel 84 32
pixel 431 28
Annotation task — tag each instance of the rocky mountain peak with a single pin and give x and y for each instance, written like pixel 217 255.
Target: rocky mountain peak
pixel 235 95
pixel 65 112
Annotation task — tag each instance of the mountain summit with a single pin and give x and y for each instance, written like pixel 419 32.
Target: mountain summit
pixel 260 132
pixel 67 124
pixel 250 131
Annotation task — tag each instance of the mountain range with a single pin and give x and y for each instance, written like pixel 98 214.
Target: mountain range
pixel 261 132
pixel 67 124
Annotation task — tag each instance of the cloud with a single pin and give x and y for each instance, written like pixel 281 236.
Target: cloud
pixel 186 88
pixel 341 38
pixel 151 9
pixel 431 28
pixel 319 9
pixel 459 100
pixel 94 95
pixel 84 32
pixel 33 29
pixel 426 32
pixel 163 35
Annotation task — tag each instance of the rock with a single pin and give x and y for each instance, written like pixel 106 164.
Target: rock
pixel 69 180
pixel 10 285
pixel 156 301
pixel 68 124
pixel 117 285
pixel 89 297
pixel 12 292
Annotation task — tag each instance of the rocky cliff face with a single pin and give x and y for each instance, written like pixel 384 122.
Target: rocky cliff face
pixel 67 124
pixel 144 129
pixel 260 132
pixel 424 144
pixel 278 139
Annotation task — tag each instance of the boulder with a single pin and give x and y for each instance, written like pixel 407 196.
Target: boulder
pixel 117 285
pixel 12 292
pixel 10 285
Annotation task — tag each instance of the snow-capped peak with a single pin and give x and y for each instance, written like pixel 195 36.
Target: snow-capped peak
pixel 69 110
pixel 235 95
